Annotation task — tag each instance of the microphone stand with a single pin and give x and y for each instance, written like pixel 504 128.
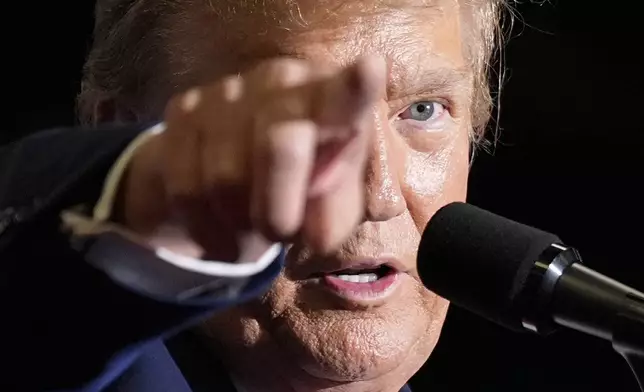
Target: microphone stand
pixel 625 326
pixel 637 366
pixel 628 339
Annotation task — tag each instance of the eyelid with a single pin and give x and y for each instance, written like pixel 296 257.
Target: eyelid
pixel 405 103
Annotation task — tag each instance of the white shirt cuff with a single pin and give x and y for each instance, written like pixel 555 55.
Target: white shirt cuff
pixel 255 257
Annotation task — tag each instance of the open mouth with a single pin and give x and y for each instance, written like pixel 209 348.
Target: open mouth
pixel 364 276
pixel 365 284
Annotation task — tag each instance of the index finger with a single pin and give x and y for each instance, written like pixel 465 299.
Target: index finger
pixel 337 100
pixel 347 96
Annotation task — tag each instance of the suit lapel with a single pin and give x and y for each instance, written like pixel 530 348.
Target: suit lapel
pixel 153 370
pixel 199 365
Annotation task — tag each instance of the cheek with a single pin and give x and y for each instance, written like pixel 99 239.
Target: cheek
pixel 426 173
pixel 433 179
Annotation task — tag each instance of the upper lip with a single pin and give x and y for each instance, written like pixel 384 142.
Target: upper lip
pixel 362 264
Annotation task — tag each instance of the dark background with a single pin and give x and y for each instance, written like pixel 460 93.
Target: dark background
pixel 569 161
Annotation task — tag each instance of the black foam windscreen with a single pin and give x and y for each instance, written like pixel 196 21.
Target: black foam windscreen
pixel 480 261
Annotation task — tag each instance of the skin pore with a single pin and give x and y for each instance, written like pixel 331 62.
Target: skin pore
pixel 300 337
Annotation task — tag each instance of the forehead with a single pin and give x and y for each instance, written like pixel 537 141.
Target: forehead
pixel 229 36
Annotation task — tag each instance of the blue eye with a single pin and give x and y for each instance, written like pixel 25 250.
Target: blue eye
pixel 422 111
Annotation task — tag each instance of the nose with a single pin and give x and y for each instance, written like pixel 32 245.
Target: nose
pixel 384 197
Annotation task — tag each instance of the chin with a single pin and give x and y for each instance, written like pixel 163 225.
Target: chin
pixel 316 341
pixel 390 341
pixel 359 351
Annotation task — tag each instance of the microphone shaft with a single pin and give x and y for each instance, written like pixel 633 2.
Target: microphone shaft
pixel 589 302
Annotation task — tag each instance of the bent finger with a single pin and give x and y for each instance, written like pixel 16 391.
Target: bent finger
pixel 283 159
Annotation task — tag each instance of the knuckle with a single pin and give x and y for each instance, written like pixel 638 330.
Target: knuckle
pixel 185 103
pixel 190 100
pixel 284 72
pixel 232 88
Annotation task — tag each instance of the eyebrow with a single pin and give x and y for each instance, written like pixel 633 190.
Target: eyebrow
pixel 441 80
pixel 402 82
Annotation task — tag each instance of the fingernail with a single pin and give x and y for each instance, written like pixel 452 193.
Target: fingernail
pixel 372 72
pixel 366 80
pixel 353 91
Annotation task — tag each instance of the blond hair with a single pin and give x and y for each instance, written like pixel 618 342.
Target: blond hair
pixel 129 50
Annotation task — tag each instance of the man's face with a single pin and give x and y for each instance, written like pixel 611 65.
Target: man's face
pixel 324 331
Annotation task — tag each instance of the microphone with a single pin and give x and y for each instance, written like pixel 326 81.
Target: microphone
pixel 526 279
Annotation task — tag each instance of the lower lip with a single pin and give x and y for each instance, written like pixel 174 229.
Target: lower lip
pixel 363 292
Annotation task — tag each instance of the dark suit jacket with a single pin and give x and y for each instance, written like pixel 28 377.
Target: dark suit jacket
pixel 65 325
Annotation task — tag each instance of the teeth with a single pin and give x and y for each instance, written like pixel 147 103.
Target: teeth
pixel 359 278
